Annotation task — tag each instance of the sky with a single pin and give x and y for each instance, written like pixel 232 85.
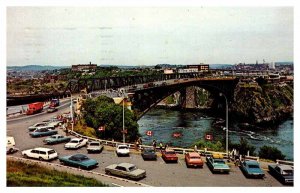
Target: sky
pixel 148 36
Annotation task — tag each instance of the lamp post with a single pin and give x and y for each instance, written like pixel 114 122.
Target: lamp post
pixel 226 128
pixel 71 111
pixel 123 117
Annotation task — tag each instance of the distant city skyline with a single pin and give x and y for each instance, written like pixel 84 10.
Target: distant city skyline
pixel 148 36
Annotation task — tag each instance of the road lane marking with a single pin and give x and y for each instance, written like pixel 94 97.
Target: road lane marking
pixel 179 162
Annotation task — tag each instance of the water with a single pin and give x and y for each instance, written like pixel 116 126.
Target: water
pixel 194 125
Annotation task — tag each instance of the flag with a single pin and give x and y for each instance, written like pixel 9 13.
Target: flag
pixel 149 133
pixel 101 128
pixel 209 137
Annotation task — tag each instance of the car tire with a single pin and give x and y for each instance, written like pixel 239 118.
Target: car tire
pixel 25 156
pixel 41 159
pixel 108 172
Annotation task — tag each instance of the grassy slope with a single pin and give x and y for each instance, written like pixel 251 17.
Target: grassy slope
pixel 33 175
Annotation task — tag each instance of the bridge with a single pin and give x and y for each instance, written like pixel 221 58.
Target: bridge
pixel 145 95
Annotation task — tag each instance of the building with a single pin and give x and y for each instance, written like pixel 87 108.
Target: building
pixel 201 67
pixel 194 68
pixel 84 67
pixel 168 71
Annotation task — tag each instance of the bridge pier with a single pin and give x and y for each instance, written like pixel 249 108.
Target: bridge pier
pixel 188 98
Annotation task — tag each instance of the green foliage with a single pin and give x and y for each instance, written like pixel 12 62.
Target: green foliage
pixel 201 144
pixel 243 147
pixel 271 153
pixel 102 111
pixel 33 175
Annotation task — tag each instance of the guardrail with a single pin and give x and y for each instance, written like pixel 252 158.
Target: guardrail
pixel 176 149
pixel 133 146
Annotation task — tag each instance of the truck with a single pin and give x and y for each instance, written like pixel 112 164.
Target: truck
pixel 34 108
pixel 54 103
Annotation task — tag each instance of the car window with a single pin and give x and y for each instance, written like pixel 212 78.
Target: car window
pixel 34 151
pixel 123 147
pixel 43 152
pixel 51 152
pixel 94 144
pixel 54 137
pixel 121 168
pixel 74 141
pixel 132 168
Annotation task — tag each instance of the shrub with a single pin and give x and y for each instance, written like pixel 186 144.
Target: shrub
pixel 271 153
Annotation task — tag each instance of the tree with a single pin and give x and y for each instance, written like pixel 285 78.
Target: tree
pixel 243 147
pixel 102 111
pixel 271 153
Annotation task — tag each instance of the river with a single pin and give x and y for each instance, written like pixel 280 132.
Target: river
pixel 194 125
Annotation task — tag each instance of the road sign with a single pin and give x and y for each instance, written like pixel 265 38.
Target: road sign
pixel 209 137
pixel 101 128
pixel 149 133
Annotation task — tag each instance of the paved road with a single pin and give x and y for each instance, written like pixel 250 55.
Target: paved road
pixel 158 172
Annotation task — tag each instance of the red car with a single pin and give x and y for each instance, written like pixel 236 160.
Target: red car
pixel 193 159
pixel 169 156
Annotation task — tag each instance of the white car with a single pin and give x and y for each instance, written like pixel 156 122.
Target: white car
pixel 122 150
pixel 40 153
pixel 76 143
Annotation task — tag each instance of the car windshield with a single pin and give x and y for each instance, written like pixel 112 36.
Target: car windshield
pixel 132 168
pixel 74 141
pixel 123 147
pixel 51 152
pixel 54 137
pixel 287 172
pixel 219 161
pixel 94 144
pixel 149 150
pixel 253 166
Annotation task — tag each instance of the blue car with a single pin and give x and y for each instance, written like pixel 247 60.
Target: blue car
pixel 78 160
pixel 251 169
pixel 42 132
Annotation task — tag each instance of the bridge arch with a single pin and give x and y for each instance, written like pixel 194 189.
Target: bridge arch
pixel 145 99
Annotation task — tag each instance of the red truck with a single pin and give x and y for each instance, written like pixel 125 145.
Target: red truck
pixel 54 103
pixel 34 108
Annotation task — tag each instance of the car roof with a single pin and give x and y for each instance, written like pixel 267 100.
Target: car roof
pixel 194 154
pixel 75 139
pixel 56 135
pixel 79 155
pixel 285 167
pixel 251 162
pixel 42 149
pixel 94 142
pixel 126 165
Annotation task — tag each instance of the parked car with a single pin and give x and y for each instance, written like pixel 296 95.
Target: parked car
pixel 55 139
pixel 149 154
pixel 94 146
pixel 193 159
pixel 10 145
pixel 169 156
pixel 51 109
pixel 283 173
pixel 76 143
pixel 217 164
pixel 44 131
pixel 52 122
pixel 122 150
pixel 251 169
pixel 40 153
pixel 37 125
pixel 125 170
pixel 78 160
